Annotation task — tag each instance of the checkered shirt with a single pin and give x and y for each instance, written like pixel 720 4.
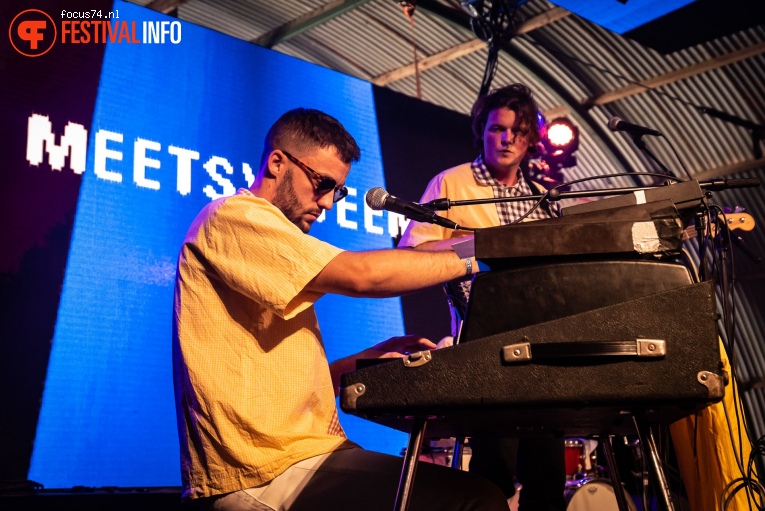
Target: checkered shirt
pixel 511 211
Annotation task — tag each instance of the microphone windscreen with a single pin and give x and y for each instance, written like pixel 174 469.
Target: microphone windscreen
pixel 613 124
pixel 376 198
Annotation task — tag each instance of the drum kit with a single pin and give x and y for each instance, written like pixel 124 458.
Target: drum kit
pixel 588 487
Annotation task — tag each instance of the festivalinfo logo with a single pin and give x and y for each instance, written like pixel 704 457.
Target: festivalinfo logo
pixel 34 32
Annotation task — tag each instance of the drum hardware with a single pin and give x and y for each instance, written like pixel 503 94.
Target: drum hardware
pixel 581 458
pixel 583 471
pixel 639 469
pixel 441 451
pixel 595 495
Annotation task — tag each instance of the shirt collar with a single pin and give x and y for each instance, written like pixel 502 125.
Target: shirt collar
pixel 484 177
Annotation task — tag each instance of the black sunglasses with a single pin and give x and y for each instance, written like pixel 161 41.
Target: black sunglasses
pixel 325 184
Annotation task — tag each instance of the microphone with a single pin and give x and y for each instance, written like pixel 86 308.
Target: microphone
pixel 618 124
pixel 378 199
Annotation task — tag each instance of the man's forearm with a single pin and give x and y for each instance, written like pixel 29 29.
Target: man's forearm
pixel 385 273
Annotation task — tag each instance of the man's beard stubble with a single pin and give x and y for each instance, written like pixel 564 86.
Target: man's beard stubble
pixel 287 201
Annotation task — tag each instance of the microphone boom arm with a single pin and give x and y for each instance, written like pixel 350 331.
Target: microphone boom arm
pixel 711 185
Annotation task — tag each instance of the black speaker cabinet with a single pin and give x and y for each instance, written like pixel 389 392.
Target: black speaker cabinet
pixel 571 349
pixel 508 299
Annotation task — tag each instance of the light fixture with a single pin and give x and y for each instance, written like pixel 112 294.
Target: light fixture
pixel 560 142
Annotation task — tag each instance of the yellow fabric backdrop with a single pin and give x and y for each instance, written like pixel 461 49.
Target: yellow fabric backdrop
pixel 711 465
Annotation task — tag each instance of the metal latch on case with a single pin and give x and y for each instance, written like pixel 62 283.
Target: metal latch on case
pixel 418 358
pixel 714 383
pixel 349 395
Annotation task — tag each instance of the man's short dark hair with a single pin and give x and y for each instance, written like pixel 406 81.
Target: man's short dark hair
pixel 518 98
pixel 304 129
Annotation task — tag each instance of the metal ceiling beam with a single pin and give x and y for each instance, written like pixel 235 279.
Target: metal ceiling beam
pixel 676 75
pixel 332 51
pixel 466 48
pixel 165 6
pixel 305 22
pixel 434 60
pixel 557 111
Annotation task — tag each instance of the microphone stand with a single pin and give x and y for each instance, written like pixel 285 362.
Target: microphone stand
pixel 758 130
pixel 640 143
pixel 555 195
pixel 741 244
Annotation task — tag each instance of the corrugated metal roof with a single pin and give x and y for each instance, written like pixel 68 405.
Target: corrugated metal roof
pixel 566 63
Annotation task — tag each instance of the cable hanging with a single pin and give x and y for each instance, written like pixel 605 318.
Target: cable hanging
pixel 494 23
pixel 757 129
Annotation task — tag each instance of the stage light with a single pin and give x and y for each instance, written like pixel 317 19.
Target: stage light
pixel 562 136
pixel 559 140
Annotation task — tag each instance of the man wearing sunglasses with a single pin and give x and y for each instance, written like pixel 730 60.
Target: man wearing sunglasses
pixel 255 395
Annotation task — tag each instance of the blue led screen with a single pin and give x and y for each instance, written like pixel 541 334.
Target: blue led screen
pixel 176 125
pixel 620 16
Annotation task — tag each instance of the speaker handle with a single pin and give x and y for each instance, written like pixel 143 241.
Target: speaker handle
pixel 527 351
